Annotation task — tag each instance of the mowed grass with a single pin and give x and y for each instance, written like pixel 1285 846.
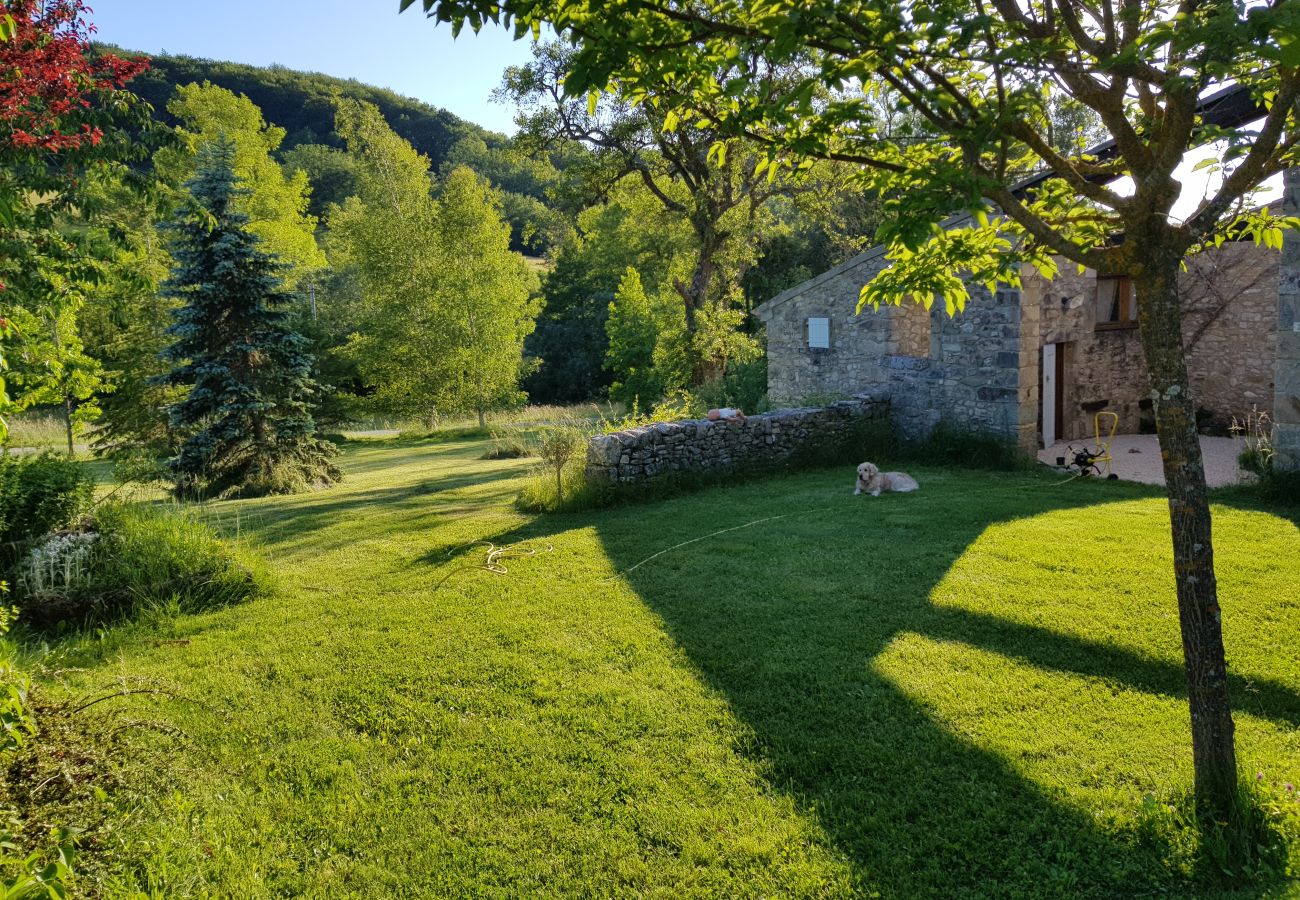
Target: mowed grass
pixel 973 691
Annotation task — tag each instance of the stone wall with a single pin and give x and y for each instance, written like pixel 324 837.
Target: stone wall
pixel 700 446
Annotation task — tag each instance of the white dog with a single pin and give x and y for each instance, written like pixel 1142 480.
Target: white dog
pixel 873 481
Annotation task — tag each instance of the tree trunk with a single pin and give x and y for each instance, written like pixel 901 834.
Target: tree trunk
pixel 482 401
pixel 696 293
pixel 1200 618
pixel 67 422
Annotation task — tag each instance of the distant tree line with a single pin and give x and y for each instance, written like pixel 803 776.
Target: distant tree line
pixel 401 263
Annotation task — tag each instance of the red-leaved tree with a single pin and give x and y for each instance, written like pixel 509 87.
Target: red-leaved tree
pixel 63 113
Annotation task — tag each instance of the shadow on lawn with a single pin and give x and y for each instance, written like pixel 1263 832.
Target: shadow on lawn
pixel 917 810
pixel 415 503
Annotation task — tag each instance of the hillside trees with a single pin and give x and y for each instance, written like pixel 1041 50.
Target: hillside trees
pixel 984 78
pixel 304 103
pixel 276 203
pixel 443 310
pixel 247 413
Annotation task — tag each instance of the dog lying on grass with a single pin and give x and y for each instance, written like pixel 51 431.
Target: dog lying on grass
pixel 872 481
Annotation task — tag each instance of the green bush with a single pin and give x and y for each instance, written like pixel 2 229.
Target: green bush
pixel 1259 456
pixel 135 557
pixel 744 387
pixel 1278 485
pixel 40 494
pixel 949 445
pixel 508 444
pixel 572 493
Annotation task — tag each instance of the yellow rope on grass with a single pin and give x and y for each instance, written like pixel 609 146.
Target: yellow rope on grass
pixel 492 559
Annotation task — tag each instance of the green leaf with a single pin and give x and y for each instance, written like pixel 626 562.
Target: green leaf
pixel 8 28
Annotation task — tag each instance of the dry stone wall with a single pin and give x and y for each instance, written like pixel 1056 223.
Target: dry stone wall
pixel 664 449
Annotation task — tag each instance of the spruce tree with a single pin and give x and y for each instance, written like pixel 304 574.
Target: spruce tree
pixel 247 414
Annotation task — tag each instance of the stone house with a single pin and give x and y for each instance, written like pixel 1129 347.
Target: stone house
pixel 1036 364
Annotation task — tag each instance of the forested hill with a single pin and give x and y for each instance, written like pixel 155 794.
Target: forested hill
pixel 302 102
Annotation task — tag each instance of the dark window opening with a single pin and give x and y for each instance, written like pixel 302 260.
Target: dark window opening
pixel 1116 303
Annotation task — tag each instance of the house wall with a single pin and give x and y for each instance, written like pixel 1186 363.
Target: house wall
pixel 932 367
pixel 1286 391
pixel 1104 369
pixel 798 374
pixel 1230 329
pixel 1229 296
pixel 982 368
pixel 971 377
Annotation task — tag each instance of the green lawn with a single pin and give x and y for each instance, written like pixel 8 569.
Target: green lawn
pixel 964 692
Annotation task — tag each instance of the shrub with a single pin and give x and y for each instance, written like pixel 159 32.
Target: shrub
pixel 40 494
pixel 507 445
pixel 558 446
pixel 744 387
pixel 135 557
pixel 1259 457
pixel 284 467
pixel 949 445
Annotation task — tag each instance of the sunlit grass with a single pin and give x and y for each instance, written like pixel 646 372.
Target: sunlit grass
pixel 968 691
pixel 41 430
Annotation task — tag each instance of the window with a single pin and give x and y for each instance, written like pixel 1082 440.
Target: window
pixel 819 334
pixel 1116 305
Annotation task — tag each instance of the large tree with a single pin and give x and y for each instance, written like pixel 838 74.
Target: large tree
pixel 247 413
pixel 64 115
pixel 275 201
pixel 696 173
pixel 984 76
pixel 486 298
pixel 444 310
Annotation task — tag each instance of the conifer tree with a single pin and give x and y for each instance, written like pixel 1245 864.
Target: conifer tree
pixel 248 410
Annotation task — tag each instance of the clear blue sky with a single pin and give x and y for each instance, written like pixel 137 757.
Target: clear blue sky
pixel 362 39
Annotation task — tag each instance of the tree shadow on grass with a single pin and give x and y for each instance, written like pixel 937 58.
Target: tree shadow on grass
pixel 418 503
pixel 787 620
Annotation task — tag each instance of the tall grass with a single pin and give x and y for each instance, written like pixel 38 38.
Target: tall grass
pixel 524 418
pixel 139 558
pixel 41 431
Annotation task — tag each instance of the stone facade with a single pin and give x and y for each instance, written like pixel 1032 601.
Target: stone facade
pixel 982 369
pixel 698 445
pixel 1286 389
pixel 930 365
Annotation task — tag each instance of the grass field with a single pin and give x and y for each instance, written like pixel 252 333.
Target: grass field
pixel 974 691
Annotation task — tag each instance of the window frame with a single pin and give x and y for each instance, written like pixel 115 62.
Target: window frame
pixel 1128 304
